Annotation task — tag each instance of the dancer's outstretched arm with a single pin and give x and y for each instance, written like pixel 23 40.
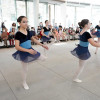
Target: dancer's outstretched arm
pixel 93 43
pixel 37 42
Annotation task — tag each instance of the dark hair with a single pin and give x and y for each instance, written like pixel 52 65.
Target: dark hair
pixel 20 18
pixel 13 24
pixel 32 27
pixel 46 21
pixel 79 23
pixel 60 26
pixel 83 22
pixel 18 27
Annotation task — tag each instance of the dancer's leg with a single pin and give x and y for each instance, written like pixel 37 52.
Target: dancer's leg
pixel 97 47
pixel 79 71
pixel 45 53
pixel 24 74
pixel 42 58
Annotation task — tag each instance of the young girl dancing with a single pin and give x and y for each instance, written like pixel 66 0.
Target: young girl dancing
pixel 82 51
pixel 25 53
pixel 97 34
pixel 45 34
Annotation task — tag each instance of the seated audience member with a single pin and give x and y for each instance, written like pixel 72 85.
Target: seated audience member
pixel 4 36
pixel 32 31
pixel 56 35
pixel 62 35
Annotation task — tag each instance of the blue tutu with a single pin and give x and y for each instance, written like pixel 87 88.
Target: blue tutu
pixel 25 56
pixel 81 52
pixel 45 39
pixel 97 34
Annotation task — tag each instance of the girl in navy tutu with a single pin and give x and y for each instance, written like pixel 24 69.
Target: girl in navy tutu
pixel 45 34
pixel 25 53
pixel 97 34
pixel 82 51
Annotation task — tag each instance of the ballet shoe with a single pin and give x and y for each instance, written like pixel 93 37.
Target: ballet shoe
pixel 26 87
pixel 77 80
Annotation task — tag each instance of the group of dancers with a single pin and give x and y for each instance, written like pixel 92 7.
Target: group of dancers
pixel 26 54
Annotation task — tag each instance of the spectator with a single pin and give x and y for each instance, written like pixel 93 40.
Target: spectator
pixel 56 27
pixel 62 35
pixel 33 32
pixel 38 30
pixel 13 27
pixel 41 25
pixel 60 25
pixel 4 36
pixel 12 36
pixel 77 30
pixel 64 30
pixel 56 35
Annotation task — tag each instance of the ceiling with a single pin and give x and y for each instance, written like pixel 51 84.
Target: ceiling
pixel 70 2
pixel 48 1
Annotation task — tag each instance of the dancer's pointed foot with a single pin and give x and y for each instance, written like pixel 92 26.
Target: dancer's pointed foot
pixel 95 52
pixel 77 80
pixel 26 87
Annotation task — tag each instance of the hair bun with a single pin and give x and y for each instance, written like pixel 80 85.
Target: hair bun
pixel 20 18
pixel 83 22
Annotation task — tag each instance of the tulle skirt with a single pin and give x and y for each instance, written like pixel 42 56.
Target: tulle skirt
pixel 97 34
pixel 45 39
pixel 81 52
pixel 25 56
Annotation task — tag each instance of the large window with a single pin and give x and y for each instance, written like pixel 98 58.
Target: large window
pixel 52 14
pixel 43 12
pixel 30 13
pixel 21 10
pixel 70 16
pixel 58 14
pixel 8 12
pixel 95 16
pixel 83 13
pixel 0 12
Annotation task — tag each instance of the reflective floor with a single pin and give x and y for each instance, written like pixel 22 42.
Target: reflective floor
pixel 51 79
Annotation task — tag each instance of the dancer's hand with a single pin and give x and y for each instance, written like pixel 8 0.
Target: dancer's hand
pixel 95 41
pixel 47 36
pixel 46 47
pixel 31 51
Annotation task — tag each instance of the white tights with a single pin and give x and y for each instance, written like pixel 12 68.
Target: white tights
pixel 24 74
pixel 97 47
pixel 25 70
pixel 80 69
pixel 45 43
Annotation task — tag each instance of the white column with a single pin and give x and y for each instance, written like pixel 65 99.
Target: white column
pixel 26 8
pixel 91 8
pixel 54 14
pixel 75 17
pixel 47 14
pixel 1 12
pixel 50 14
pixel 63 14
pixel 36 13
